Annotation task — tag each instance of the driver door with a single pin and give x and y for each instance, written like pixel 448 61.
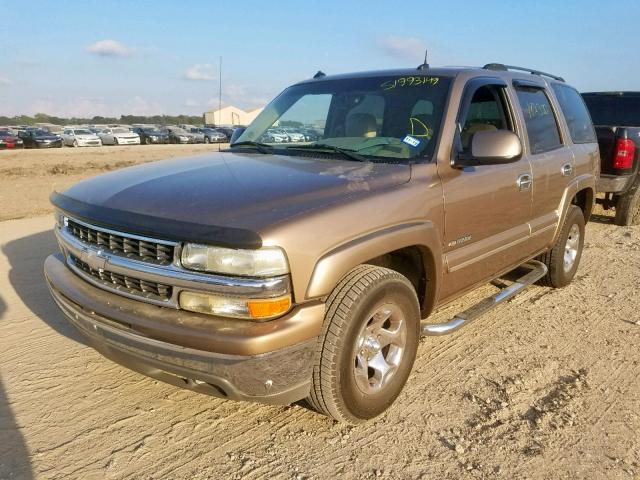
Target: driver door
pixel 487 207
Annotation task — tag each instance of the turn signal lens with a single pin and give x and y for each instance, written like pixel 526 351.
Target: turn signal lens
pixel 269 308
pixel 252 309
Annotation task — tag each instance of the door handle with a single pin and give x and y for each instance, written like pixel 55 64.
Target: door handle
pixel 567 169
pixel 524 182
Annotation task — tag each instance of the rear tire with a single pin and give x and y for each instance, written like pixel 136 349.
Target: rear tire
pixel 367 346
pixel 628 207
pixel 563 259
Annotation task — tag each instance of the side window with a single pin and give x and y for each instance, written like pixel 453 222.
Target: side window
pixel 487 111
pixel 541 123
pixel 575 113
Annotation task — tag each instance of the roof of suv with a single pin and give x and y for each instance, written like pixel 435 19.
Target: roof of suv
pixel 497 70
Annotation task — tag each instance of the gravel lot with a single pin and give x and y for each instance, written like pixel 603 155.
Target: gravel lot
pixel 546 386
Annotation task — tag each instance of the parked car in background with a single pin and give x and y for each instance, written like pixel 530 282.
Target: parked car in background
pixel 9 140
pixel 294 134
pixel 198 136
pixel 119 136
pixel 80 137
pixel 211 135
pixel 310 135
pixel 178 135
pixel 616 116
pixel 273 135
pixel 151 135
pixel 39 138
pixel 228 131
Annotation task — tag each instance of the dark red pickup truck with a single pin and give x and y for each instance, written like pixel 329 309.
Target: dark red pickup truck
pixel 616 116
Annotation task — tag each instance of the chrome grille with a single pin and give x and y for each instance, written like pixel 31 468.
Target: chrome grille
pixel 130 247
pixel 125 283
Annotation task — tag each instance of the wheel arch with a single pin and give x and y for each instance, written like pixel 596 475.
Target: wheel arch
pixel 585 200
pixel 411 249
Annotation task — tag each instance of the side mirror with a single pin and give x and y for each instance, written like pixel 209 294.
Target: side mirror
pixel 491 147
pixel 496 146
pixel 236 134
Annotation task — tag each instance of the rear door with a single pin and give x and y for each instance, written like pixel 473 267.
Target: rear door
pixel 551 157
pixel 487 207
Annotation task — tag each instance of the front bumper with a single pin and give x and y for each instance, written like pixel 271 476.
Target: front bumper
pixel 268 362
pixel 56 144
pixel 89 143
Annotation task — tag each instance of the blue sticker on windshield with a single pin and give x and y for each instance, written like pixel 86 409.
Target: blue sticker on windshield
pixel 409 140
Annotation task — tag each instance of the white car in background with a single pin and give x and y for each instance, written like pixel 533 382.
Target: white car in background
pixel 294 135
pixel 119 136
pixel 80 137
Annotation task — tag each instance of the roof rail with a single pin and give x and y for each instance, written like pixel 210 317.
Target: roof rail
pixel 503 68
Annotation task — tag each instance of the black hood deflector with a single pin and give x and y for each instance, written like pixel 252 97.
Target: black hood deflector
pixel 155 227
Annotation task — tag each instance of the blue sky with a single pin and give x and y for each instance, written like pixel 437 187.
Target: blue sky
pixel 104 57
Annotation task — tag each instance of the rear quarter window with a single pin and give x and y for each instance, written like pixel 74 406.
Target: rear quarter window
pixel 575 113
pixel 542 127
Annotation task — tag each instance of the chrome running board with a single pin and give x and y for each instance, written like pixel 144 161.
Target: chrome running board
pixel 537 270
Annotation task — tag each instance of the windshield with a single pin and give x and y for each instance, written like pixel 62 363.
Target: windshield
pixel 82 132
pixel 5 133
pixel 179 131
pixel 151 131
pixel 393 117
pixel 40 132
pixel 614 110
pixel 121 130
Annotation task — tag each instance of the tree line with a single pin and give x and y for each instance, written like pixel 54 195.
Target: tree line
pixel 98 120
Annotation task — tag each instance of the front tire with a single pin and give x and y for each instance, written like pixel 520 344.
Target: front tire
pixel 368 345
pixel 563 259
pixel 628 207
pixel 75 143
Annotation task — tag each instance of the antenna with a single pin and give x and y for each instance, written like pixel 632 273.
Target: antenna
pixel 425 65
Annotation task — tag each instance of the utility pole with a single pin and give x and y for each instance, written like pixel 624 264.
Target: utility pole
pixel 220 95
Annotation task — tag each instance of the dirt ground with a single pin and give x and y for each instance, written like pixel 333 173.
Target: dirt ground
pixel 544 387
pixel 27 177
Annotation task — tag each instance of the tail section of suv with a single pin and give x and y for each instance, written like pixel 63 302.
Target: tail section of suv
pixel 283 269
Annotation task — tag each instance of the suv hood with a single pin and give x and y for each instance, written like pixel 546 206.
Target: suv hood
pixel 215 198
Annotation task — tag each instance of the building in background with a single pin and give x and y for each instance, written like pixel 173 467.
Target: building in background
pixel 229 116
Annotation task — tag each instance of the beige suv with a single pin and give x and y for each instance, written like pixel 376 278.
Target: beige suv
pixel 275 272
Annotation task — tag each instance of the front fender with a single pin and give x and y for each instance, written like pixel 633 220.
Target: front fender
pixel 338 262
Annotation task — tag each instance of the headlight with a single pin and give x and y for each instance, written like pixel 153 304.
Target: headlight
pixel 263 262
pixel 256 309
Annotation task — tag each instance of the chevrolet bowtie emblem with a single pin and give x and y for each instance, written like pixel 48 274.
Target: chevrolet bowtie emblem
pixel 96 259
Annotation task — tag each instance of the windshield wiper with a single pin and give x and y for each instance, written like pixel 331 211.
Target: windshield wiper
pixel 261 147
pixel 322 146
